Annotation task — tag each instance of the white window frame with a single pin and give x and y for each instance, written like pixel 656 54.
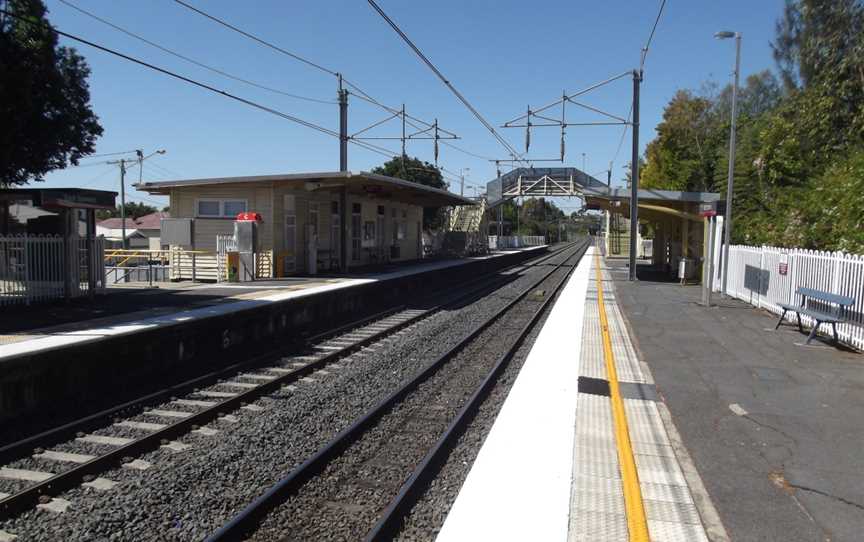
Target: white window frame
pixel 221 202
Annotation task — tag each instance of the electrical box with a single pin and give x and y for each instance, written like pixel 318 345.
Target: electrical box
pixel 246 234
pixel 177 231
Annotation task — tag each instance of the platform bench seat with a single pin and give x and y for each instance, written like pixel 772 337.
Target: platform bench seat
pixel 823 307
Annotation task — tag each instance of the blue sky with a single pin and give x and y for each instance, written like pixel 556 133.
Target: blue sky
pixel 502 55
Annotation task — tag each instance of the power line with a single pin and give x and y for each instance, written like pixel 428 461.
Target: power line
pixel 358 92
pixel 191 60
pixel 651 36
pixel 110 153
pixel 257 39
pixel 623 134
pixel 447 83
pixel 286 116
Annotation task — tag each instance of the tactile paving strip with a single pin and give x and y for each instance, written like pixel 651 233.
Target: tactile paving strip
pixel 597 511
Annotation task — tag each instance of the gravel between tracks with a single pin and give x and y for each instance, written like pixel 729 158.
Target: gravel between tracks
pixel 187 495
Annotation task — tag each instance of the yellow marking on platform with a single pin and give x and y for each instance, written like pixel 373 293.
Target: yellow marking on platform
pixel 637 525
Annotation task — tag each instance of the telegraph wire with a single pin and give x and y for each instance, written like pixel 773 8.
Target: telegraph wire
pixel 286 116
pixel 191 60
pixel 447 83
pixel 651 36
pixel 257 39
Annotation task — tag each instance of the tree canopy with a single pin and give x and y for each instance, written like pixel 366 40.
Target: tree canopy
pixel 420 172
pixel 799 166
pixel 44 98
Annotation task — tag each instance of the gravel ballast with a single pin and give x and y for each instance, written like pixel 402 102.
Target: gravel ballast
pixel 188 494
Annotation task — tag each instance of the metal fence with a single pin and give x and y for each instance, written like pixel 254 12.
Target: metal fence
pixel 768 276
pixel 34 268
pixel 498 242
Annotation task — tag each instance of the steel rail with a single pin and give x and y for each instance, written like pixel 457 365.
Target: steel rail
pixel 390 522
pixel 72 477
pixel 237 526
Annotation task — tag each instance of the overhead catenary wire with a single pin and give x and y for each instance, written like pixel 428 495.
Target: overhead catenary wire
pixel 357 91
pixel 286 116
pixel 651 36
pixel 191 60
pixel 257 39
pixel 447 83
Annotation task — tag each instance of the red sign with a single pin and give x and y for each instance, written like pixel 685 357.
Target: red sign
pixel 250 216
pixel 783 265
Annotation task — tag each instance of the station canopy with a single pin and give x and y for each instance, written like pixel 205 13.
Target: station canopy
pixel 357 183
pixel 651 202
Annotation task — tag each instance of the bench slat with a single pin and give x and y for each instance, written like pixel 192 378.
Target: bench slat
pixel 843 300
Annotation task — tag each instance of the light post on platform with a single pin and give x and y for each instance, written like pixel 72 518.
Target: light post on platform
pixel 727 219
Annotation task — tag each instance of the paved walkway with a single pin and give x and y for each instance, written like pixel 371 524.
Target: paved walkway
pixel 776 429
pixel 582 450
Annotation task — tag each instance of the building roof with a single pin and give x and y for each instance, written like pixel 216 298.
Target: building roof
pixel 650 194
pixel 70 198
pixel 117 223
pixel 356 182
pixel 153 221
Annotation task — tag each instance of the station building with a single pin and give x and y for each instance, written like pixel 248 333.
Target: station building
pixel 303 214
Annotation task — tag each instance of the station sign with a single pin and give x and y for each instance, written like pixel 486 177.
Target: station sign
pixel 249 216
pixel 707 210
pixel 783 265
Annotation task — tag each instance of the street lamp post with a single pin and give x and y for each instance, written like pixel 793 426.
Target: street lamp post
pixel 730 181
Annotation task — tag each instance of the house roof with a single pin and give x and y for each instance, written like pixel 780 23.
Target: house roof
pixel 117 223
pixel 56 198
pixel 153 221
pixel 356 182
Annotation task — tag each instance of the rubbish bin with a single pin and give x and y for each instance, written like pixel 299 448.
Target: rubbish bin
pixel 686 268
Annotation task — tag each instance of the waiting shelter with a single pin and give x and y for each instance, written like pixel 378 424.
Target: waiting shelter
pixel 48 243
pixel 673 218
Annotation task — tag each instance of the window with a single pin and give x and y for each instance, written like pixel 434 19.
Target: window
pixel 208 208
pixel 220 208
pixel 232 208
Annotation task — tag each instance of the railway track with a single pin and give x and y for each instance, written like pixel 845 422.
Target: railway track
pixel 37 469
pixel 361 483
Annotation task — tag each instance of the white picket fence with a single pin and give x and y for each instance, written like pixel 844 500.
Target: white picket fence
pixel 33 268
pixel 755 276
pixel 498 242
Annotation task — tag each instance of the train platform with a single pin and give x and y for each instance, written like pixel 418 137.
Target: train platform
pixel 126 309
pixel 774 426
pixel 583 448
pixel 185 333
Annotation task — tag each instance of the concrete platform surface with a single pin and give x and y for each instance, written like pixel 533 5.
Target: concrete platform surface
pixel 123 310
pixel 555 464
pixel 775 428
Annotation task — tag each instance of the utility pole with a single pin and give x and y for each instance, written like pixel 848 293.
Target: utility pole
pixel 730 181
pixel 634 175
pixel 609 175
pixel 343 166
pixel 462 180
pixel 123 202
pixel 122 163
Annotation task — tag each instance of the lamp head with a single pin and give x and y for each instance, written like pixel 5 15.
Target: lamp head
pixel 724 34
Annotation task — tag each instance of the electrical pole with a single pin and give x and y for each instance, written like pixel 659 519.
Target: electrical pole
pixel 634 176
pixel 343 166
pixel 123 202
pixel 730 182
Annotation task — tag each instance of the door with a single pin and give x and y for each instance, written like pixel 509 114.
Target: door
pixel 356 232
pixel 289 239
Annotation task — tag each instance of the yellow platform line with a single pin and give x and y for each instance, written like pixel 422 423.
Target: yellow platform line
pixel 637 525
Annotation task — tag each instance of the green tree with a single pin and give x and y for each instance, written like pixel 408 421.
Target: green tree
pixel 684 154
pixel 133 211
pixel 44 98
pixel 417 171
